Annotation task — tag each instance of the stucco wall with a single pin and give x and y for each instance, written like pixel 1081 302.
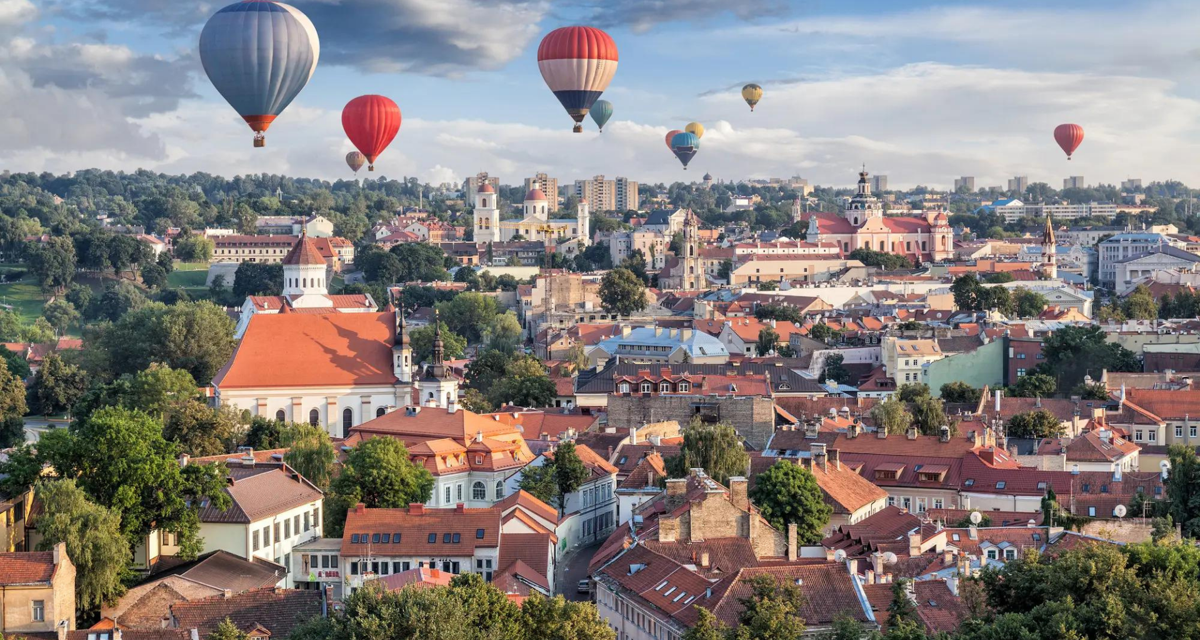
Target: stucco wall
pixel 983 366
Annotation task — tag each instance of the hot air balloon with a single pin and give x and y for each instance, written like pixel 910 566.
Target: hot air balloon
pixel 685 145
pixel 601 112
pixel 577 64
pixel 752 93
pixel 371 122
pixel 356 160
pixel 671 136
pixel 696 128
pixel 259 54
pixel 1068 136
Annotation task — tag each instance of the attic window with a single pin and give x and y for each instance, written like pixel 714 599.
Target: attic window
pixel 623 460
pixel 479 534
pixel 1041 486
pixel 385 538
pixel 1087 487
pixel 432 538
pixel 354 538
pixel 1103 488
pixel 374 538
pixel 457 538
pixel 969 482
pixel 1001 484
pixel 445 538
pixel 396 538
pixel 956 537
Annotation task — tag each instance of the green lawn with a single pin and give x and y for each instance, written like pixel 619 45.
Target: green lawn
pixel 25 297
pixel 187 279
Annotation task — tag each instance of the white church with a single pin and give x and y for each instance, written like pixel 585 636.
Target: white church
pixel 535 223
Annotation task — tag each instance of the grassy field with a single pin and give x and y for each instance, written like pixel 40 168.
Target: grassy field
pixel 25 297
pixel 187 279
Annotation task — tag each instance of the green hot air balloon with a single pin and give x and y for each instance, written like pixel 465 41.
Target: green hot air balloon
pixel 601 112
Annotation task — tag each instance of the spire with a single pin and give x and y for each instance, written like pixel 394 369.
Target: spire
pixel 439 349
pixel 1048 234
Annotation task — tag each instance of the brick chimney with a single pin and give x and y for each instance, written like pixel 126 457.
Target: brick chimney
pixel 360 508
pixel 914 543
pixel 416 509
pixel 739 492
pixel 676 488
pixel 792 550
pixel 460 508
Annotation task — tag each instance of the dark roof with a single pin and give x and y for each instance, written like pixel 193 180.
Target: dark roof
pixel 783 379
pixel 259 491
pixel 278 610
pixel 224 570
pixel 26 567
pixel 959 344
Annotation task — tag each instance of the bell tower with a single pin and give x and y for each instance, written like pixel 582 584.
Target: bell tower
pixel 487 214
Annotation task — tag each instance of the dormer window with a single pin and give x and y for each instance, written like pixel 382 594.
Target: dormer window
pixel 647 387
pixel 624 387
pixel 684 387
pixel 664 387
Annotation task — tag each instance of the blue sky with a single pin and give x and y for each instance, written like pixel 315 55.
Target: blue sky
pixel 921 91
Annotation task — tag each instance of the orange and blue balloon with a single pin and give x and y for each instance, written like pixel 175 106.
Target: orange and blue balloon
pixel 685 145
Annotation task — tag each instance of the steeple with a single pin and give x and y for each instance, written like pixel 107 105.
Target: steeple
pixel 1049 251
pixel 438 387
pixel 401 346
pixel 439 348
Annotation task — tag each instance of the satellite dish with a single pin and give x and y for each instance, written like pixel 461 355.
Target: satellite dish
pixel 889 558
pixel 976 517
pixel 1119 511
pixel 839 555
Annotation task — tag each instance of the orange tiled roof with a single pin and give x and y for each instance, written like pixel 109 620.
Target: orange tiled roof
pixel 26 568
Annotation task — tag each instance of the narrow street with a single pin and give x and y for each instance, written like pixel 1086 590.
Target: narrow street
pixel 573 568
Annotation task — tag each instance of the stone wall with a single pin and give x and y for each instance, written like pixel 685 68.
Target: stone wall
pixel 753 417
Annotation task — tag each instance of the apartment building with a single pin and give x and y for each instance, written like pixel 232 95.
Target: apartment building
pixel 548 186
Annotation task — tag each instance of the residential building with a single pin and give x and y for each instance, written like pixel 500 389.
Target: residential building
pixel 1023 355
pixel 37 592
pixel 1013 210
pixel 626 196
pixel 965 182
pixel 740 335
pixel 266 613
pixel 852 496
pixel 1124 246
pixel 598 192
pixel 1018 184
pixel 336 252
pixel 640 485
pixel 879 183
pixel 547 185
pixel 646 345
pixel 1131 183
pixel 589 513
pixel 315 225
pixel 1074 182
pixel 666 221
pixel 471 185
pixel 594 388
pixel 903 359
pixel 651 242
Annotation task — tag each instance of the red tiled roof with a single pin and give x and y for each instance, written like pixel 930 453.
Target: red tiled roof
pixel 26 567
pixel 530 549
pixel 419 577
pixel 261 491
pixel 415 526
pixel 277 610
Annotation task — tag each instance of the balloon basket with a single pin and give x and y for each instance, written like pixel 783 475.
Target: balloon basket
pixel 260 143
pixel 578 128
pixel 371 168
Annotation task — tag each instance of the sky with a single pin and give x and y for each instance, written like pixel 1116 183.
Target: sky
pixel 920 91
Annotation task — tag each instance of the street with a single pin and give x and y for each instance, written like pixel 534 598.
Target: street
pixel 572 569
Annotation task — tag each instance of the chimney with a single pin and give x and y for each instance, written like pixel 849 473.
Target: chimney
pixel 819 457
pixel 914 544
pixel 911 434
pixel 835 458
pixel 880 432
pixel 812 429
pixel 947 557
pixel 360 508
pixel 704 560
pixel 633 435
pixel 870 575
pixel 460 508
pixel 416 509
pixel 997 401
pixel 625 331
pixel 452 405
pixel 945 433
pixel 739 492
pixel 852 430
pixel 676 487
pixel 792 551
pixel 183 459
pixel 685 335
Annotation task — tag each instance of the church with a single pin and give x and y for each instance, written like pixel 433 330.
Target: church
pixel 863 225
pixel 535 223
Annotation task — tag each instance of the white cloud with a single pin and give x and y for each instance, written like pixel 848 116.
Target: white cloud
pixel 15 12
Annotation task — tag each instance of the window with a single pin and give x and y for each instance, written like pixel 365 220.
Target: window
pixel 266 535
pixel 499 489
pixel 277 538
pixel 280 416
pixel 39 610
pixel 354 538
pixel 314 417
pixel 396 538
pixel 1092 512
pixel 479 534
pixel 1178 431
pixel 1010 554
pixel 459 491
pixel 478 491
pixel 306 522
pixel 937 503
pixel 624 387
pixel 347 420
pixel 646 387
pixel 432 538
pixel 1192 431
pixel 991 554
pixel 445 538
pixel 448 498
pixel 256 540
pixel 374 538
pixel 1137 435
pixel 1153 435
pixel 684 387
pixel 296 524
pixel 1020 372
pixel 287 529
pixel 457 538
pixel 891 501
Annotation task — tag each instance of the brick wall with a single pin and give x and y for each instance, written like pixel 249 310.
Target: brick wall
pixel 754 418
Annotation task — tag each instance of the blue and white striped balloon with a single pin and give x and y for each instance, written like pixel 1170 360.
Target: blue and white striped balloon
pixel 259 54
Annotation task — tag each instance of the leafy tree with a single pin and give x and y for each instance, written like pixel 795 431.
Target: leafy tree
pixel 192 247
pixel 569 471
pixel 966 290
pixel 487 369
pixel 902 608
pixel 708 627
pixel 12 432
pixel 835 370
pixel 780 312
pixel 257 279
pixel 79 296
pixel 311 454
pixel 117 300
pixel 469 313
pixel 1028 304
pixel 474 400
pixel 725 269
pixel 821 331
pixel 1000 277
pixel 768 340
pixel 1183 488
pixel 56 386
pixel 540 482
pixel 771 611
pixel 1035 385
pixel 1034 424
pixel 929 415
pixel 60 314
pixel 93 539
pixel 883 260
pixel 120 458
pixel 1140 304
pixel 1094 391
pixel 525 384
pixel 152 391
pixel 10 326
pixel 194 336
pixel 227 630
pixel 716 448
pixel 53 263
pixel 560 619
pixel 787 493
pixel 622 292
pixel 420 262
pixel 892 416
pixel 421 339
pixel 1074 351
pixel 40 332
pixel 503 332
pixel 153 275
pixel 201 430
pixel 768 285
pixel 959 392
pixel 912 392
pixel 378 473
pixel 14 362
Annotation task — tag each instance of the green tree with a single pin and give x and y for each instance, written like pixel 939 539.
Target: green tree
pixel 1000 277
pixel 1183 488
pixel 194 336
pixel 378 473
pixel 1028 304
pixel 1140 304
pixel 1034 424
pixel 469 313
pixel 1074 352
pixel 526 383
pixel 771 611
pixel 929 415
pixel 227 630
pixel 60 314
pixel 421 339
pixel 1094 391
pixel 420 262
pixel 153 275
pixel 787 493
pixel 14 362
pixel 966 290
pixel 768 340
pixel 725 269
pixel 487 369
pixel 958 392
pixel 53 263
pixel 92 535
pixel 56 386
pixel 892 416
pixel 540 482
pixel 912 392
pixel 117 299
pixel 622 292
pixel 192 247
pixel 716 448
pixel 257 279
pixel 708 627
pixel 120 458
pixel 1035 385
pixel 474 400
pixel 902 608
pixel 201 430
pixel 502 332
pixel 569 471
pixel 835 370
pixel 311 454
pixel 559 619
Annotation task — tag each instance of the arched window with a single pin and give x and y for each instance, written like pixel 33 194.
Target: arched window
pixel 347 420
pixel 304 282
pixel 447 398
pixel 314 417
pixel 499 489
pixel 280 416
pixel 478 491
pixel 380 411
pixel 485 203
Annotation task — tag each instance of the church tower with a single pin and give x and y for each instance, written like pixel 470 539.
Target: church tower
pixel 584 220
pixel 1049 251
pixel 536 205
pixel 438 387
pixel 487 214
pixel 797 210
pixel 691 263
pixel 863 206
pixel 304 275
pixel 402 350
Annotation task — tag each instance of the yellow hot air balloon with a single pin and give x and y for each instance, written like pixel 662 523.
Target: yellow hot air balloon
pixel 752 93
pixel 696 128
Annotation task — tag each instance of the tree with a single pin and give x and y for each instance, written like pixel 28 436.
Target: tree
pixel 473 400
pixel 835 370
pixel 191 247
pixel 540 482
pixel 901 609
pixel 379 474
pixel 929 416
pixel 525 384
pixel 725 269
pixel 201 430
pixel 1000 277
pixel 1028 304
pixel 787 493
pixel 503 332
pixel 117 299
pixel 716 448
pixel 821 331
pixel 883 260
pixel 781 312
pixel 767 341
pixel 153 275
pixel 1073 352
pixel 966 290
pixel 912 391
pixel 569 472
pixel 622 292
pixel 120 458
pixel 152 391
pixel 92 535
pixel 1035 424
pixel 1183 488
pixel 227 630
pixel 559 619
pixel 311 454
pixel 56 386
pixel 487 369
pixel 1140 304
pixel 420 262
pixel 892 416
pixel 60 314
pixel 469 313
pixel 771 611
pixel 1035 385
pixel 53 263
pixel 453 345
pixel 194 336
pixel 10 326
pixel 257 279
pixel 14 362
pixel 958 392
pixel 708 627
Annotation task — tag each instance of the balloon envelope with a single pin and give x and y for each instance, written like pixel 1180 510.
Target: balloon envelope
pixel 371 122
pixel 355 160
pixel 577 64
pixel 685 145
pixel 259 55
pixel 696 128
pixel 752 93
pixel 601 111
pixel 1068 136
pixel 671 136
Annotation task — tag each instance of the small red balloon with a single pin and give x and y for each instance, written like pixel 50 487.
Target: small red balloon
pixel 1068 136
pixel 371 122
pixel 671 134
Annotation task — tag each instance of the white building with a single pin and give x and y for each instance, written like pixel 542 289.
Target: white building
pixel 536 223
pixel 589 513
pixel 1124 246
pixel 1144 266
